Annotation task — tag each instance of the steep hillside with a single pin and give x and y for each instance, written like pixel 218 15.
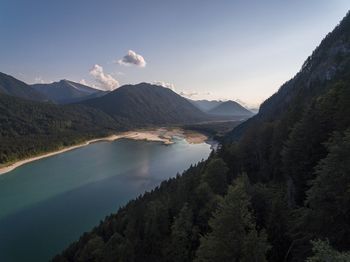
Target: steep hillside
pixel 146 104
pixel 65 91
pixel 230 108
pixel 328 63
pixel 277 189
pixel 28 128
pixel 313 102
pixel 14 87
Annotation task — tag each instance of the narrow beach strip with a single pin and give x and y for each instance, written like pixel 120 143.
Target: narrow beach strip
pixel 162 135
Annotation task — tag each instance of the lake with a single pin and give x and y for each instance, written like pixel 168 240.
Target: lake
pixel 47 204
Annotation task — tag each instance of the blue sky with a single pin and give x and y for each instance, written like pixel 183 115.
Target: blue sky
pixel 206 49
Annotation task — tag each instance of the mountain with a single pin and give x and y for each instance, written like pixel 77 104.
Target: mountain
pixel 146 104
pixel 29 128
pixel 205 105
pixel 65 91
pixel 230 108
pixel 14 87
pixel 300 138
pixel 276 190
pixel 328 63
pixel 221 108
pixel 254 110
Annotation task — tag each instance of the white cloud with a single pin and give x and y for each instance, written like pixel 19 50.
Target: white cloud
pixel 106 81
pixel 131 58
pixel 187 94
pixel 83 82
pixel 194 94
pixel 164 84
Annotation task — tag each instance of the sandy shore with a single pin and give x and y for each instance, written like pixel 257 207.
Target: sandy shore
pixel 11 167
pixel 162 135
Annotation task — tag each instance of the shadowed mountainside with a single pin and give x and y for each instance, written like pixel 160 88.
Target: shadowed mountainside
pixel 230 108
pixel 146 104
pixel 65 91
pixel 14 87
pixel 29 128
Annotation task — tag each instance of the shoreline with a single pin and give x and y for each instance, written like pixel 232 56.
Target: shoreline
pixel 163 135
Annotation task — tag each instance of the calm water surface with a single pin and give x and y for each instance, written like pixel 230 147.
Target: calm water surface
pixel 47 204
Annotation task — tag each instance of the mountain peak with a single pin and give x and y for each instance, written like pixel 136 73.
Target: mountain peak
pixel 66 91
pixel 147 104
pixel 14 87
pixel 230 108
pixel 327 61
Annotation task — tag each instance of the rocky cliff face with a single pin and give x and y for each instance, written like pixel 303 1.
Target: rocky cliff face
pixel 329 61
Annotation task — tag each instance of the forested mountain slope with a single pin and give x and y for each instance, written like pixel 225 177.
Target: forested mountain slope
pixel 328 63
pixel 306 110
pixel 28 128
pixel 277 190
pixel 14 87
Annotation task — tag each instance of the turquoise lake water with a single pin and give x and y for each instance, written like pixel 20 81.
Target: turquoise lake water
pixel 47 204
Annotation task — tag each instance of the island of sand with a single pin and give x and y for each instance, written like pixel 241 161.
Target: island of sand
pixel 163 135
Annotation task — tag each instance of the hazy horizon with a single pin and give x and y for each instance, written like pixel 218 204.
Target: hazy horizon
pixel 201 49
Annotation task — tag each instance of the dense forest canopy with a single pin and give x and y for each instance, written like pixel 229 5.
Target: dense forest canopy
pixel 277 189
pixel 28 127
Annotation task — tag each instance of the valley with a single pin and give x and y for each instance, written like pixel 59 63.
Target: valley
pixel 32 129
pixel 175 131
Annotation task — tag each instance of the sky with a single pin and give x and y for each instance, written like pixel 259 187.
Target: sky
pixel 223 49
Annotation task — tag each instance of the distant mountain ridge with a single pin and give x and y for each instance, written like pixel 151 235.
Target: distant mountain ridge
pixel 147 104
pixel 143 104
pixel 230 108
pixel 205 105
pixel 14 87
pixel 221 108
pixel 133 105
pixel 65 91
